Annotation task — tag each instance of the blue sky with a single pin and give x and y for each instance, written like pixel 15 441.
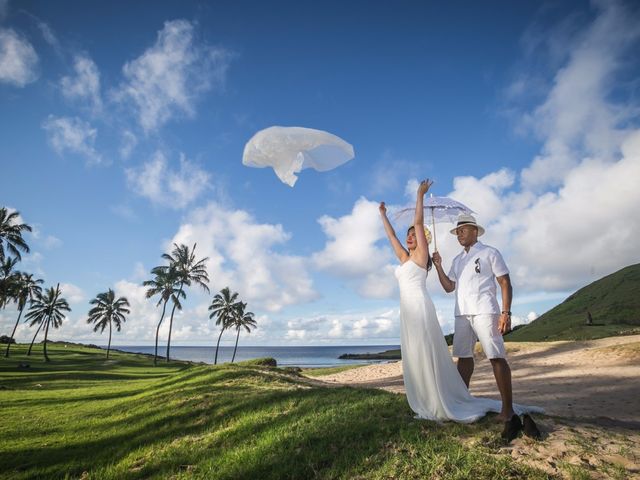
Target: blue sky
pixel 123 126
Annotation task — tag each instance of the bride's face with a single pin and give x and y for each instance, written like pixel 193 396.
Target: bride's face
pixel 411 239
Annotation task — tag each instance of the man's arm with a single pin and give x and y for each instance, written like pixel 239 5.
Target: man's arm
pixel 507 294
pixel 448 285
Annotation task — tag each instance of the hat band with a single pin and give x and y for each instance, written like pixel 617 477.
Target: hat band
pixel 467 223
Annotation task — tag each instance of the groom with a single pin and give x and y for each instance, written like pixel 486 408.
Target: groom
pixel 473 276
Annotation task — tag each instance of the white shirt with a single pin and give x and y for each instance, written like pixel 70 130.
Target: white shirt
pixel 475 275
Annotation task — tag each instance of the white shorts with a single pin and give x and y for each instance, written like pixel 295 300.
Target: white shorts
pixel 470 328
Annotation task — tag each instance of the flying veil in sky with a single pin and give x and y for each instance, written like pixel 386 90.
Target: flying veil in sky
pixel 288 150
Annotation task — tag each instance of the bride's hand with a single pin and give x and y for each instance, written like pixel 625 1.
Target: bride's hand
pixel 424 186
pixel 382 208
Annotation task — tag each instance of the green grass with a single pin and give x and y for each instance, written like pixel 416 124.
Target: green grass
pixel 614 305
pixel 319 372
pixel 83 416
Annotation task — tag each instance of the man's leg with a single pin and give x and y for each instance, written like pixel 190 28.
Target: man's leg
pixel 465 369
pixel 464 339
pixel 486 328
pixel 502 372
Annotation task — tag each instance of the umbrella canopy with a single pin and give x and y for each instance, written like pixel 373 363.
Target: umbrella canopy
pixel 441 210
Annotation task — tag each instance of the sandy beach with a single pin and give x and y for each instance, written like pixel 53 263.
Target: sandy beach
pixel 589 389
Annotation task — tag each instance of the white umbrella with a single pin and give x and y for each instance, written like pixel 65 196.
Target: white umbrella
pixel 443 210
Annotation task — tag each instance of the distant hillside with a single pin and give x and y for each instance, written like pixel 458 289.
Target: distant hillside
pixel 614 304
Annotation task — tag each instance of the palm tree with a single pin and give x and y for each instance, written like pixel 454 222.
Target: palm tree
pixel 26 289
pixel 33 322
pixel 47 310
pixel 11 234
pixel 223 306
pixel 8 280
pixel 189 271
pixel 165 284
pixel 109 311
pixel 241 320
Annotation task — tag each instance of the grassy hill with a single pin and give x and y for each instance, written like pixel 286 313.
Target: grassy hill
pixel 614 304
pixel 82 416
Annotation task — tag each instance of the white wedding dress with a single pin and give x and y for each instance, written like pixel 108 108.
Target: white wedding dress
pixel 435 390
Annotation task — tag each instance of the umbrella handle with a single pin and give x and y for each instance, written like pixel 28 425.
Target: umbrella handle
pixel 433 226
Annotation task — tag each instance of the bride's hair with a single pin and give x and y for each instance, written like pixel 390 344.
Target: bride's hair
pixel 429 261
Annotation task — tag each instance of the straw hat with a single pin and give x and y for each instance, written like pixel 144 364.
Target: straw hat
pixel 466 219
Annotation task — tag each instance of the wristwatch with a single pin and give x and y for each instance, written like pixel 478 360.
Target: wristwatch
pixel 508 312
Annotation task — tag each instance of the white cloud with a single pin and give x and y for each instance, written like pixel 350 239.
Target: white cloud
pixel 351 250
pixel 51 241
pixel 584 230
pixel 129 142
pixel 84 86
pixel 167 79
pixel 156 181
pixel 243 255
pixel 189 325
pixel 49 36
pixel 377 325
pixel 585 223
pixel 577 118
pixel 485 196
pixel 18 59
pixel 72 293
pixel 73 135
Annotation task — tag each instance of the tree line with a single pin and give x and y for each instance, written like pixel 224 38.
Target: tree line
pixel 169 282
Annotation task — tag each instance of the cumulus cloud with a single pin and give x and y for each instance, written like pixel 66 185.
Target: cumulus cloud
pixel 577 118
pixel 352 251
pixel 158 182
pixel 243 254
pixel 67 134
pixel 84 85
pixel 572 218
pixel 377 325
pixel 18 59
pixel 145 313
pixel 167 79
pixel 72 293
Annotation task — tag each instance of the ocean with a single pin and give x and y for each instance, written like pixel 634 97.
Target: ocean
pixel 285 356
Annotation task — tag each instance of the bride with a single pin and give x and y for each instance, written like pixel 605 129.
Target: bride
pixel 435 390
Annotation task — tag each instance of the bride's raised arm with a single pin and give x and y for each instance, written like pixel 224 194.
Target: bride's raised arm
pixel 421 254
pixel 399 250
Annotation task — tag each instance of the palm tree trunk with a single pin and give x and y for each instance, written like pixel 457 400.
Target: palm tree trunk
pixel 236 347
pixel 46 332
pixel 34 339
pixel 6 354
pixel 171 321
pixel 155 354
pixel 109 344
pixel 215 361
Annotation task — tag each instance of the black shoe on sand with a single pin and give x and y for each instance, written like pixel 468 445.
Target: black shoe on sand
pixel 530 428
pixel 511 428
